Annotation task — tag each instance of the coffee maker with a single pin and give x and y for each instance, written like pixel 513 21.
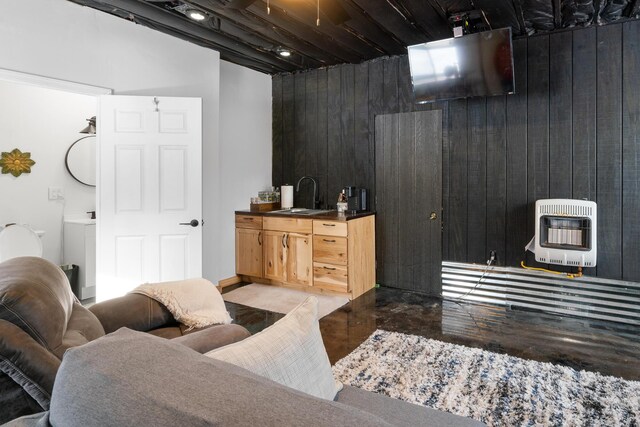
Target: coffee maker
pixel 357 199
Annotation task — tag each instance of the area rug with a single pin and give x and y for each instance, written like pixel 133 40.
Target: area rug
pixel 281 300
pixel 499 390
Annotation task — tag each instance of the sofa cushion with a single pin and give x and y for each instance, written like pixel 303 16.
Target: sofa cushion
pixel 29 366
pixel 36 296
pixel 134 311
pixel 290 352
pixel 132 378
pixel 83 327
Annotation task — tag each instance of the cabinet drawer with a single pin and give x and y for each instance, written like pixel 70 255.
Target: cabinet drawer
pixel 330 276
pixel 249 221
pixel 330 228
pixel 291 225
pixel 330 249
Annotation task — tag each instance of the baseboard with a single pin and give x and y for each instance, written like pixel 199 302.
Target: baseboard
pixel 229 281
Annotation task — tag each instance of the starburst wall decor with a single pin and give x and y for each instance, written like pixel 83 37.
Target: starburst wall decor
pixel 16 162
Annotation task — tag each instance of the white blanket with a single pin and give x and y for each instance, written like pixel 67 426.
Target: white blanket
pixel 195 303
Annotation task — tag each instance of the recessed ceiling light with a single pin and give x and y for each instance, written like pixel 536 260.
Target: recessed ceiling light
pixel 196 15
pixel 284 52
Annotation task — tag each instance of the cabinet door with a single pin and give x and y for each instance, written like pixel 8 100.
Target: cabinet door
pixel 274 255
pixel 299 259
pixel 249 252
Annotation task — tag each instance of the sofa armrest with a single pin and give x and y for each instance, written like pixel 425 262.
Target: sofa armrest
pixel 133 311
pixel 29 364
pixel 213 337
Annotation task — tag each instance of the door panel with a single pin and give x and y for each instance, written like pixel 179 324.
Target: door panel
pixel 274 255
pixel 408 191
pixel 249 252
pixel 299 259
pixel 174 257
pixel 150 181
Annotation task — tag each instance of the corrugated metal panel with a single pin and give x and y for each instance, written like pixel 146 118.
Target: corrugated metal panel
pixel 588 297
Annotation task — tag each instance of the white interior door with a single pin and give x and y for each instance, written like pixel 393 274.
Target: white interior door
pixel 149 192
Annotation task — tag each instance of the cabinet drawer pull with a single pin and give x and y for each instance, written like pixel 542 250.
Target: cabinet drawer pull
pixel 329 225
pixel 329 268
pixel 248 219
pixel 328 240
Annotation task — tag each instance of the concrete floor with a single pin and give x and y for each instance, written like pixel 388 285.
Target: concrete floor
pixel 606 347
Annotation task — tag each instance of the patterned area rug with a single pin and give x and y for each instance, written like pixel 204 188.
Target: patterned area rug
pixel 496 389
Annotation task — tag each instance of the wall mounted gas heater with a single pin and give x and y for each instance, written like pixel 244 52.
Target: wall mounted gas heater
pixel 566 232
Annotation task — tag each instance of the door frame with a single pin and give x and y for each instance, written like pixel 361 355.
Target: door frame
pixel 52 83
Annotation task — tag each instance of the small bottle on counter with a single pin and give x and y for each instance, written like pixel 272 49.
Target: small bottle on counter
pixel 342 202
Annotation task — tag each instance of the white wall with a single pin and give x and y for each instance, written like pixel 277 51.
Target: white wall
pixel 245 148
pixel 59 39
pixel 45 123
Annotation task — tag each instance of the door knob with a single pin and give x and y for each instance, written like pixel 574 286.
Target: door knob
pixel 193 223
pixel 433 216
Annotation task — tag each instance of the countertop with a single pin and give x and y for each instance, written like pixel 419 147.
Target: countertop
pixel 329 216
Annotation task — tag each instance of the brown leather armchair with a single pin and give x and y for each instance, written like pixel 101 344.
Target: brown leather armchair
pixel 40 319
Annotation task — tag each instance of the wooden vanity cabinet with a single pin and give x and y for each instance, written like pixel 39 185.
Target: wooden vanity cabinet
pixel 326 256
pixel 288 250
pixel 249 242
pixel 299 257
pixel 344 255
pixel 274 255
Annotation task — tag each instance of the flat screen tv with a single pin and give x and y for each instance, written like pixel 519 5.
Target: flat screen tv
pixel 478 64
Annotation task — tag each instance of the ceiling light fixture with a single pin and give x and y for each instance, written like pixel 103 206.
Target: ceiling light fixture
pixel 195 14
pixel 283 52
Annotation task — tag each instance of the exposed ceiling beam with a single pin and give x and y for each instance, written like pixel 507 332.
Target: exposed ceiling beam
pixel 517 5
pixel 500 14
pixel 431 15
pixel 165 18
pixel 305 17
pixel 557 13
pixel 288 34
pixel 427 32
pixel 633 9
pixel 365 25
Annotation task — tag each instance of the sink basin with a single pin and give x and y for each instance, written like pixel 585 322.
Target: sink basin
pixel 302 211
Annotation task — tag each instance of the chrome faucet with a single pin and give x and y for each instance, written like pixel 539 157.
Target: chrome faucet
pixel 316 201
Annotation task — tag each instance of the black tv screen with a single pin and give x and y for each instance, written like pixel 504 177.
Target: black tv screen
pixel 478 64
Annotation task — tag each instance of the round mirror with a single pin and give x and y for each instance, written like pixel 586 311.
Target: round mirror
pixel 81 160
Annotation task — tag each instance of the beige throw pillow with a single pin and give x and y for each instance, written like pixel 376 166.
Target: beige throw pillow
pixel 290 352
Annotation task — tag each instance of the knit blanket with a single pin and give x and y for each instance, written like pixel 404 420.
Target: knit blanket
pixel 195 303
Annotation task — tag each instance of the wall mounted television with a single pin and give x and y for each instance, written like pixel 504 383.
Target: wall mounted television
pixel 479 64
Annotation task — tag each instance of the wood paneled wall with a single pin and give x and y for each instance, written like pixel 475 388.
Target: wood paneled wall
pixel 571 131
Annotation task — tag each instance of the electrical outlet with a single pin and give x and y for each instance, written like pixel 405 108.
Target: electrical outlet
pixel 493 255
pixel 56 193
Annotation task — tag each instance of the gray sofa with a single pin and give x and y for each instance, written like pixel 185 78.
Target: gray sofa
pixel 131 378
pixel 40 320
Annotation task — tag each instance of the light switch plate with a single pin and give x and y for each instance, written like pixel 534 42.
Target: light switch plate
pixel 56 193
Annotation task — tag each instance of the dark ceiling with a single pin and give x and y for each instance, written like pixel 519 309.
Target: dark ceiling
pixel 350 31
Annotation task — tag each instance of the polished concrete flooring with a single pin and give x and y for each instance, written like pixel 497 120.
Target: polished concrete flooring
pixel 605 347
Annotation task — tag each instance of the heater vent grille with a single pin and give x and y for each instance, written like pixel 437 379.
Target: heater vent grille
pixel 565 210
pixel 566 232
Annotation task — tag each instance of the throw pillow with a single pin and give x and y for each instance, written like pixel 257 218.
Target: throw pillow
pixel 289 352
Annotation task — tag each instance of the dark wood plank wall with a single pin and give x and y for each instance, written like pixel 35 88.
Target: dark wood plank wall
pixel 571 131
